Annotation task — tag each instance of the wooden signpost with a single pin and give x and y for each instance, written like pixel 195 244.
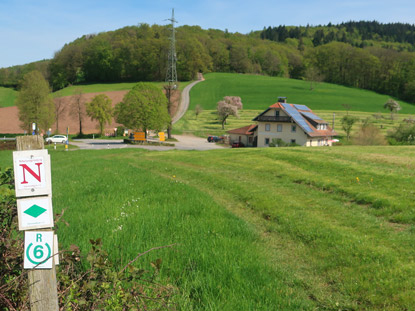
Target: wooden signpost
pixel 34 200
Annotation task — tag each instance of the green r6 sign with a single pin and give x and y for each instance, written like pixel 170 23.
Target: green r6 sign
pixel 38 249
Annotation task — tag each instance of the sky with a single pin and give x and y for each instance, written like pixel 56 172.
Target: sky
pixel 32 30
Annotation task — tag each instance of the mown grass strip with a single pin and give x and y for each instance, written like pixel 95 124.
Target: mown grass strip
pixel 256 229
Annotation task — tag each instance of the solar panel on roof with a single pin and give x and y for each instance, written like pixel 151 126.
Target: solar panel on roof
pixel 311 115
pixel 298 118
pixel 302 107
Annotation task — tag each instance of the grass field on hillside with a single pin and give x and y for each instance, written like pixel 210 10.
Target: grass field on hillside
pixel 259 92
pixel 106 87
pixel 7 97
pixel 256 229
pixel 207 122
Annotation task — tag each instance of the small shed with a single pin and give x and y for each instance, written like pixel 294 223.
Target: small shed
pixel 243 135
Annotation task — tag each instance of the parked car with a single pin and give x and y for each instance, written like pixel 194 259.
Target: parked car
pixel 56 139
pixel 238 144
pixel 214 139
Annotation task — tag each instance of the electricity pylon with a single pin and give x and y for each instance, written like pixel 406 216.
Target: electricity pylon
pixel 171 75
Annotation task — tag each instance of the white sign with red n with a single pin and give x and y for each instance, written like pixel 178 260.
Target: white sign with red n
pixel 32 173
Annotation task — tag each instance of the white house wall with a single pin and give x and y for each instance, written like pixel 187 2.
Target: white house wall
pixel 286 135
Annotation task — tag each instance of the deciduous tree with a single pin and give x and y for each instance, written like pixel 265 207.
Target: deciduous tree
pixel 100 109
pixel 78 107
pixel 393 106
pixel 229 106
pixel 347 124
pixel 35 103
pixel 60 109
pixel 198 110
pixel 143 108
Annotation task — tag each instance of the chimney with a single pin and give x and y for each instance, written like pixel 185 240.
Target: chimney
pixel 282 100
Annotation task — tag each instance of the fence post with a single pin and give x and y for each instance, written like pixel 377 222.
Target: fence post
pixel 43 291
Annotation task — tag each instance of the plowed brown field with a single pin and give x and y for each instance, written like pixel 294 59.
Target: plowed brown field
pixel 9 119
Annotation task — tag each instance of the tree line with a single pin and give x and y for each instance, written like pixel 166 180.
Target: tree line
pixel 144 107
pixel 360 33
pixel 332 54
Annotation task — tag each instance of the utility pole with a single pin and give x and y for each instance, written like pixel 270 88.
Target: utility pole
pixel 171 75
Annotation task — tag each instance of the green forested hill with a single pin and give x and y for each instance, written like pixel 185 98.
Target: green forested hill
pixel 363 55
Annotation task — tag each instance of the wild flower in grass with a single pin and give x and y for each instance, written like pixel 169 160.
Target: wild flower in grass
pixel 174 176
pixel 119 228
pixel 357 180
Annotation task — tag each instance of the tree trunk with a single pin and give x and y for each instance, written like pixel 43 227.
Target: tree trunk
pixel 80 126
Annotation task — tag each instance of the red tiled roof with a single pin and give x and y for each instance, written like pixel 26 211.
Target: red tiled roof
pixel 246 130
pixel 276 105
pixel 321 133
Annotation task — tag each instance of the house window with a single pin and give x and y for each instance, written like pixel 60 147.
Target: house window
pixel 293 128
pixel 267 127
pixel 266 141
pixel 240 138
pixel 279 127
pixel 277 113
pixel 320 142
pixel 293 141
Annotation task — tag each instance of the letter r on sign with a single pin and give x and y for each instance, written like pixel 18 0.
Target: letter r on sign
pixel 39 237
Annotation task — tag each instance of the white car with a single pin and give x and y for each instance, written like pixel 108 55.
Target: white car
pixel 56 139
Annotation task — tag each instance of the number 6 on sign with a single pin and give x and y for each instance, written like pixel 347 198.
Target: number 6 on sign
pixel 38 246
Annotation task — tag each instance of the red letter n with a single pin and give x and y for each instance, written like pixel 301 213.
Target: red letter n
pixel 37 176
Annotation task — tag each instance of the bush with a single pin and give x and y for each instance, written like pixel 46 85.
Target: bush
pixel 369 134
pixel 404 134
pixel 13 287
pixel 120 130
pixel 100 287
pixel 278 142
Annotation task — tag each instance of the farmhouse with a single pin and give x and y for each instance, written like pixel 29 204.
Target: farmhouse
pixel 291 123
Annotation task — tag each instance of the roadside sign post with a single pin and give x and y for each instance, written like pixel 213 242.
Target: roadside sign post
pixel 162 137
pixel 140 136
pixel 67 139
pixel 34 202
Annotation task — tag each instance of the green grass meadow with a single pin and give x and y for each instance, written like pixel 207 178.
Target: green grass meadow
pixel 7 97
pixel 255 229
pixel 259 92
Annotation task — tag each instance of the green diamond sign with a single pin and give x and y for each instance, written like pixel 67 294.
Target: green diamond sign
pixel 35 211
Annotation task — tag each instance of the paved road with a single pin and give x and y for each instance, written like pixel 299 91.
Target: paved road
pixel 184 103
pixel 185 142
